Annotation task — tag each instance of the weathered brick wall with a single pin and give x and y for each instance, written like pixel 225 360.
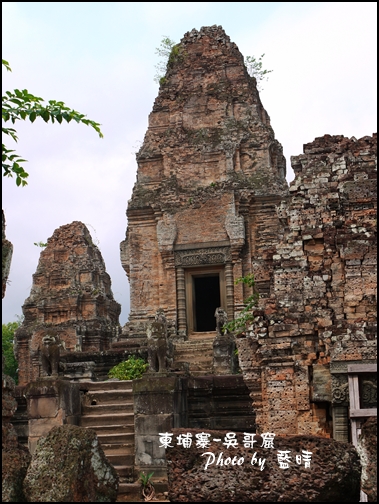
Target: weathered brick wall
pixel 71 297
pixel 321 312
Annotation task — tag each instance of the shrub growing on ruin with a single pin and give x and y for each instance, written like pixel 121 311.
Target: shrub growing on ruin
pixel 10 363
pixel 131 369
pixel 246 317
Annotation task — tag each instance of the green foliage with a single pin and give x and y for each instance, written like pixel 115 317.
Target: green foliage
pixel 40 244
pixel 10 363
pixel 246 316
pixel 254 69
pixel 130 369
pixel 21 105
pixel 171 53
pixel 163 51
pixel 148 491
pixel 145 479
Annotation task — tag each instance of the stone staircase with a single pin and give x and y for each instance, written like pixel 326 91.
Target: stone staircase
pixel 108 409
pixel 197 352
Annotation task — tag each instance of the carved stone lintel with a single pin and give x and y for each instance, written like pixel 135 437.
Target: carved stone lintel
pixel 198 257
pixel 341 366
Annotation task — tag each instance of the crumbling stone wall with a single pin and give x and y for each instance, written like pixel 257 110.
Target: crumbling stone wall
pixel 321 312
pixel 71 299
pixel 15 457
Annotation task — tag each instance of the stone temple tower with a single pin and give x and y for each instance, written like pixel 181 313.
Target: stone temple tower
pixel 71 300
pixel 203 209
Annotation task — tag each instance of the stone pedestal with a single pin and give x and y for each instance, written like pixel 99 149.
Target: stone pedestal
pixel 224 355
pixel 51 403
pixel 158 408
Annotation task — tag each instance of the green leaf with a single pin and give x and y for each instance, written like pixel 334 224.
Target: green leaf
pixel 6 64
pixel 32 116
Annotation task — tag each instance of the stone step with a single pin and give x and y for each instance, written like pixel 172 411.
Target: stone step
pixel 126 473
pixel 192 355
pixel 201 372
pixel 194 344
pixel 188 357
pixel 203 336
pixel 130 492
pixel 109 396
pixel 194 348
pixel 118 449
pixel 107 385
pixel 193 352
pixel 103 430
pixel 116 438
pixel 121 459
pixel 101 409
pixel 96 420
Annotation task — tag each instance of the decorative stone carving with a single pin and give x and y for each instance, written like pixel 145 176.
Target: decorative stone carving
pixel 50 351
pixel 340 390
pixel 337 367
pixel 198 257
pixel 221 320
pixel 369 395
pixel 157 347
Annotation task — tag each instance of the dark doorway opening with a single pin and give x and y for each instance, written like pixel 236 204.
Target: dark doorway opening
pixel 207 299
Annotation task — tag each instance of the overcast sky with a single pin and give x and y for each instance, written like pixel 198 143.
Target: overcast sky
pixel 99 59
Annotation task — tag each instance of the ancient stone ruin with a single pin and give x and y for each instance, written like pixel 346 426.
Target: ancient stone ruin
pixel 71 306
pixel 211 205
pixel 210 173
pixel 318 326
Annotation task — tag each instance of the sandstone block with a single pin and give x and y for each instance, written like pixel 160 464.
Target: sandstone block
pixel 70 466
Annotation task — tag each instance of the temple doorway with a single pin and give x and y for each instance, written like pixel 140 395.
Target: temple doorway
pixel 205 291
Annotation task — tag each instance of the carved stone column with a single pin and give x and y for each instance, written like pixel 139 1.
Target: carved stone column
pixel 229 281
pixel 181 293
